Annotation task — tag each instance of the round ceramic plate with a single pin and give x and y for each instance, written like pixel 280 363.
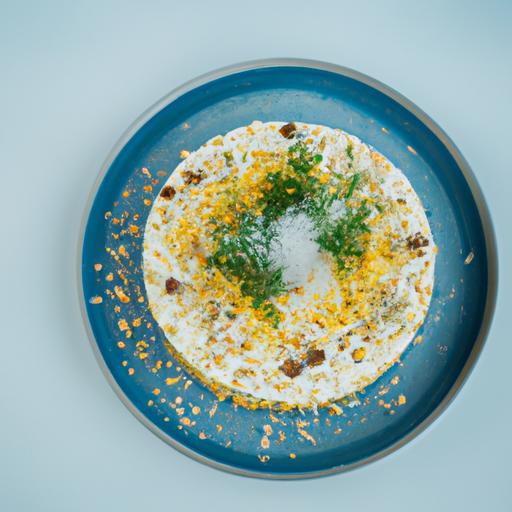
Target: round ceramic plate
pixel 130 346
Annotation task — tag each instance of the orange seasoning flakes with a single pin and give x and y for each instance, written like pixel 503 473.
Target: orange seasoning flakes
pixel 98 267
pixel 122 324
pixel 202 435
pixel 122 251
pixel 307 435
pixel 402 400
pixel 213 410
pixel 293 456
pixel 121 295
pixel 265 443
pixel 96 299
pixel 156 391
pixel 170 381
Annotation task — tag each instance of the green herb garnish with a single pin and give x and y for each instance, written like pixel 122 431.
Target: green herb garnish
pixel 350 153
pixel 244 248
pixel 245 255
pixel 301 159
pixel 342 238
pixel 353 184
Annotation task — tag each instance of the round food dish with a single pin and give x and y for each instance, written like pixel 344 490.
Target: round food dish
pixel 290 432
pixel 288 264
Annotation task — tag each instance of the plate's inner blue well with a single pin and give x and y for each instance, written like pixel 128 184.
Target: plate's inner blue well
pixel 132 344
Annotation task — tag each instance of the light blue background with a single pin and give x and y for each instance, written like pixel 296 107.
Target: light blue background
pixel 73 76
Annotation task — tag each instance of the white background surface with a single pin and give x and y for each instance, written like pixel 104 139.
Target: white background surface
pixel 73 76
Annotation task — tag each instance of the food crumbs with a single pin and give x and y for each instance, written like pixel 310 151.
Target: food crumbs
pixel 122 324
pixel 265 443
pixel 121 295
pixel 418 340
pixel 307 435
pixel 213 410
pixel 469 258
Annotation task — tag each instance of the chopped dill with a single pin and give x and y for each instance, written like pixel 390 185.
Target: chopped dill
pixel 350 153
pixel 301 159
pixel 244 249
pixel 342 238
pixel 352 186
pixel 245 255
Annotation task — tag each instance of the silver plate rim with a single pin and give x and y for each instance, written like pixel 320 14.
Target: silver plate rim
pixel 481 204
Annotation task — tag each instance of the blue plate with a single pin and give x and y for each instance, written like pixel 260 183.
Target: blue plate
pixel 129 345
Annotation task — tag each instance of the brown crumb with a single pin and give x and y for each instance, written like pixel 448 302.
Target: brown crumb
pixel 172 285
pixel 168 192
pixel 291 368
pixel 192 178
pixel 417 241
pixel 315 357
pixel 288 130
